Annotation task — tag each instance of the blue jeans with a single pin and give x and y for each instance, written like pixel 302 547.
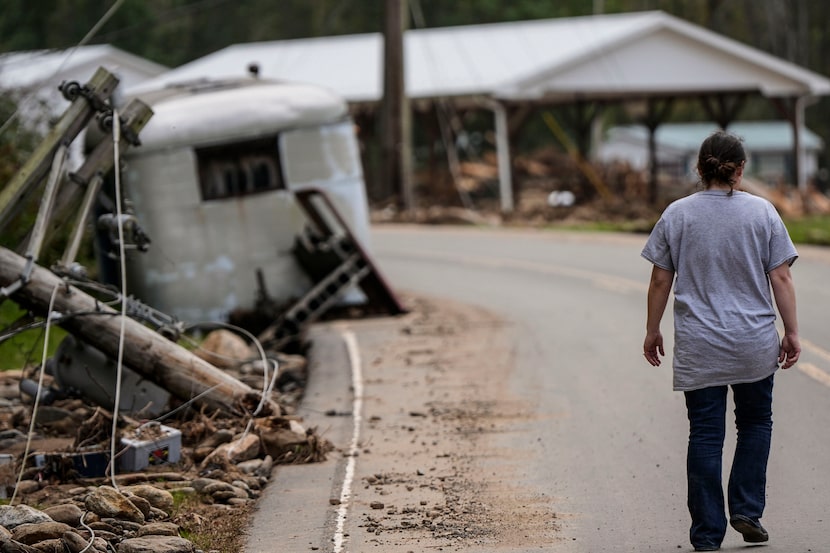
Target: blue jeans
pixel 748 477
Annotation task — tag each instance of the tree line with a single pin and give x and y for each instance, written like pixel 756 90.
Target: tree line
pixel 173 32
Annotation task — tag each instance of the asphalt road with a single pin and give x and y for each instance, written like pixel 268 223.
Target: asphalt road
pixel 612 431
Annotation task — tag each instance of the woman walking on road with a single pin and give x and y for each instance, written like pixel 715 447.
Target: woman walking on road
pixel 723 249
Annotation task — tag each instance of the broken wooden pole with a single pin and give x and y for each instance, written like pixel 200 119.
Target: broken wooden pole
pixel 169 365
pixel 73 121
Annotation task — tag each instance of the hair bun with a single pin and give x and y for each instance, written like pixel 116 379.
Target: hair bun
pixel 720 156
pixel 712 161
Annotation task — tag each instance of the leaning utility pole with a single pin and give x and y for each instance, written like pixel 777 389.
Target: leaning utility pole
pixel 395 114
pixel 146 352
pixel 86 101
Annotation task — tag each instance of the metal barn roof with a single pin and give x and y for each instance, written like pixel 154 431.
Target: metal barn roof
pixel 47 68
pixel 606 56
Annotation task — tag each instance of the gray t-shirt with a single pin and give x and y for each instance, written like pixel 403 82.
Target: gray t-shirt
pixel 721 248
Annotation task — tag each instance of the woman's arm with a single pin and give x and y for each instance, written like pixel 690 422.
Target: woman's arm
pixel 659 289
pixel 783 289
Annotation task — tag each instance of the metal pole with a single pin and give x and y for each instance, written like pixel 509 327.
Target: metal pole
pixel 798 148
pixel 503 157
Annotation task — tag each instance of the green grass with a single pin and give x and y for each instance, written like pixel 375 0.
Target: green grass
pixel 26 348
pixel 810 230
pixel 813 230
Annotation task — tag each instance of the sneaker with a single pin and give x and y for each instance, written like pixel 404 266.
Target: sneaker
pixel 707 548
pixel 751 530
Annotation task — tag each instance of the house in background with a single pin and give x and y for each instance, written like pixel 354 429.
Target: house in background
pixel 33 77
pixel 768 145
pixel 515 69
pixel 41 71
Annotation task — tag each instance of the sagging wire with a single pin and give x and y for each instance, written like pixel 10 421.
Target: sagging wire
pixel 186 404
pixel 116 138
pixel 88 529
pixel 444 114
pixel 38 324
pixel 37 395
pixel 116 133
pixel 110 12
pixel 268 382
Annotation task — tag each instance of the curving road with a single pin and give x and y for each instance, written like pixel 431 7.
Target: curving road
pixel 613 433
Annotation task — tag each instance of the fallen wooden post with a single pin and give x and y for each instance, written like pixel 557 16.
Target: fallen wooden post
pixel 146 352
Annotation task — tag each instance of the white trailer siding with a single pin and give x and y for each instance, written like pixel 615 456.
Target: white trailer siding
pixel 205 253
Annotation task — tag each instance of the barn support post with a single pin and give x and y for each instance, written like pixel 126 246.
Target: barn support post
pixel 656 113
pixel 503 156
pixel 797 122
pixel 723 108
pixel 581 119
pixel 517 117
pixel 793 111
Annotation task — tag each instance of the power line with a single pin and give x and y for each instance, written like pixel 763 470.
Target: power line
pixel 167 16
pixel 106 17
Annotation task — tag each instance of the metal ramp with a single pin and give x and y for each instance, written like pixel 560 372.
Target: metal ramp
pixel 336 261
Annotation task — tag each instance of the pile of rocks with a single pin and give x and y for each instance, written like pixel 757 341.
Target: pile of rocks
pixel 138 517
pixel 232 472
pixel 98 520
pixel 225 463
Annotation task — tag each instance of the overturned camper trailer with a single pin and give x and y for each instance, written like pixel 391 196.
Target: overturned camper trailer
pixel 214 186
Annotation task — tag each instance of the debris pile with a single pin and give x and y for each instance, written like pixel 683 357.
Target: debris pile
pixel 219 460
pixel 130 394
pixel 552 187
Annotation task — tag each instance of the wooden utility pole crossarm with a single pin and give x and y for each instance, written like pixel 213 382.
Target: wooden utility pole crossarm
pixel 146 352
pixel 75 119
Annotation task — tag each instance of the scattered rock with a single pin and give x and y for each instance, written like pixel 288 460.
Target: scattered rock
pixel 158 498
pixel 108 502
pixel 35 532
pixel 67 513
pixel 156 544
pixel 12 517
pixel 159 529
pixel 224 349
pixel 28 486
pixel 244 449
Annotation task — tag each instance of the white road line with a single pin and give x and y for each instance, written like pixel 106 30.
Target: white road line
pixel 357 409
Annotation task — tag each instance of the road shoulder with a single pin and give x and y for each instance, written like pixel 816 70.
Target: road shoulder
pixel 430 469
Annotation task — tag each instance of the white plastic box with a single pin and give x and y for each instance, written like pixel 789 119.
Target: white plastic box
pixel 162 449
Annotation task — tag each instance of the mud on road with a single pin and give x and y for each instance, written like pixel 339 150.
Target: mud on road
pixel 432 471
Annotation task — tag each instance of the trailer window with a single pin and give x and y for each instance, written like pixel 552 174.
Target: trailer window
pixel 321 154
pixel 239 169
